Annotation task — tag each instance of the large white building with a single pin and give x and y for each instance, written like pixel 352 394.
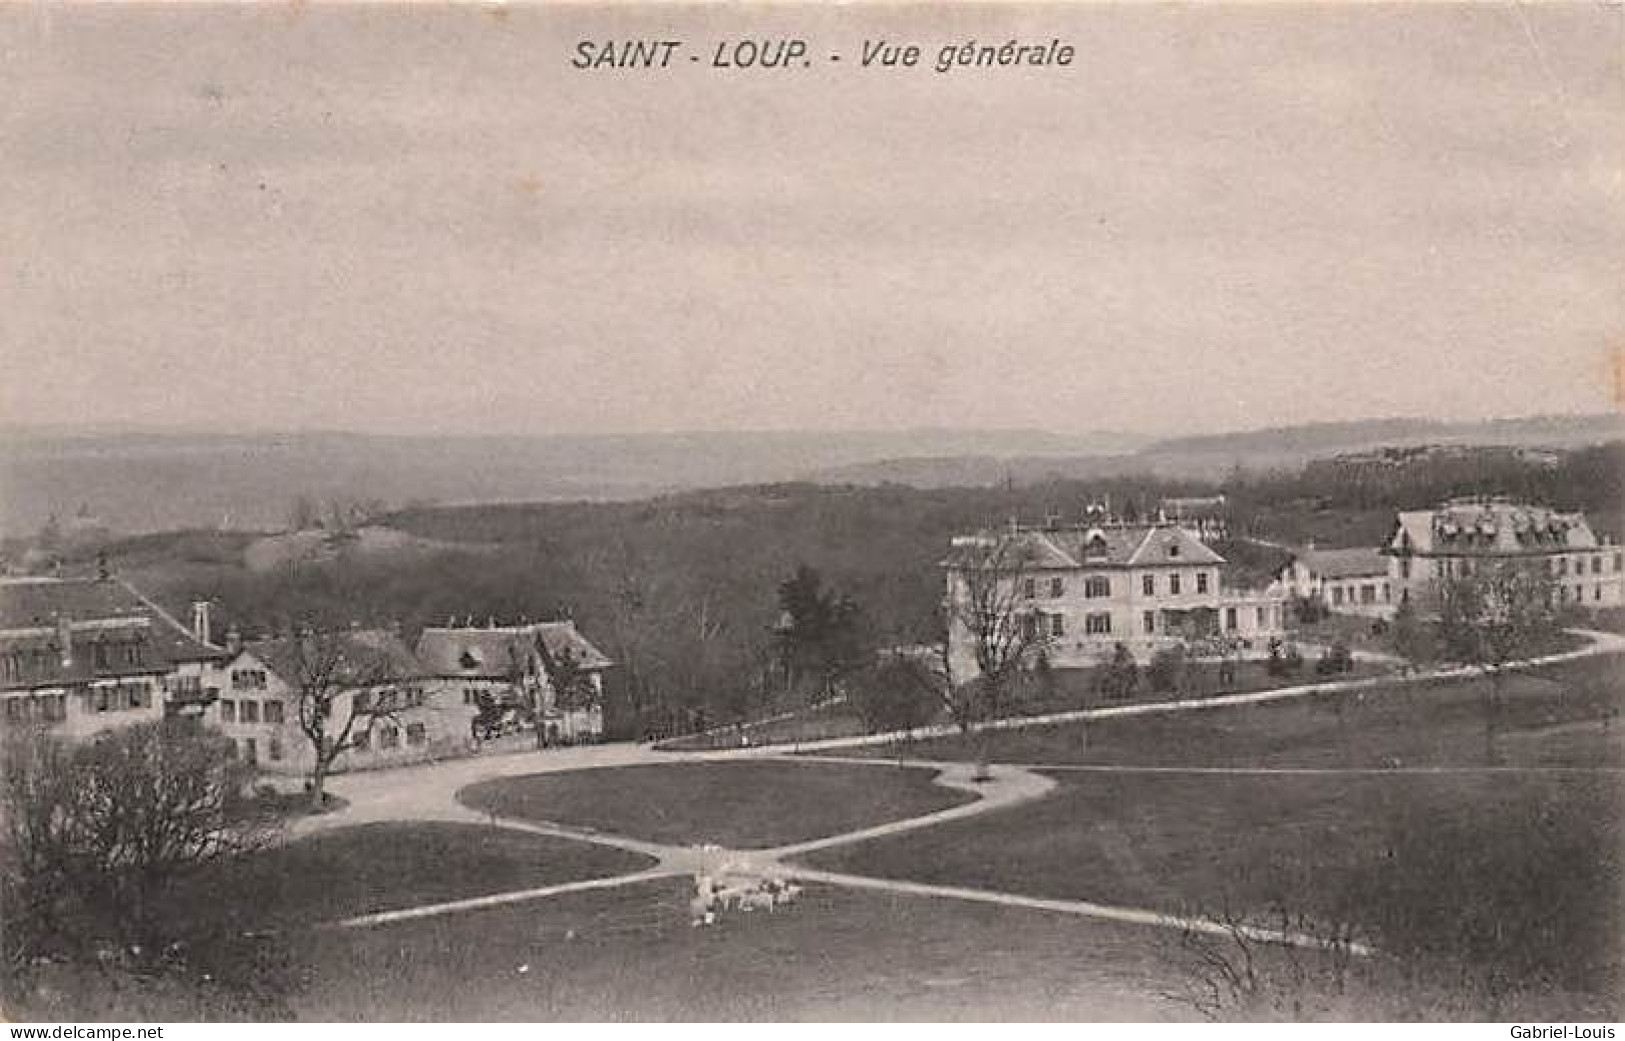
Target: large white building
pixel 1082 591
pixel 1465 536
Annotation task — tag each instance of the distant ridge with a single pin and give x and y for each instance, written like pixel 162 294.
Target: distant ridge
pixel 151 480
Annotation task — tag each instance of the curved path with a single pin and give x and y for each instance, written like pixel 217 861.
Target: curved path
pixel 428 792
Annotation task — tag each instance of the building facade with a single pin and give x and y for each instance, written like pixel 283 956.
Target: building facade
pixel 79 656
pixel 1347 581
pixel 506 669
pixel 1081 592
pixel 262 683
pixel 1465 536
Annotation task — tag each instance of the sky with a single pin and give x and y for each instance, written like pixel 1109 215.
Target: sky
pixel 422 219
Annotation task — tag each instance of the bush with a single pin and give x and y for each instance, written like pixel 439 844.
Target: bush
pixel 1334 660
pixel 1120 677
pixel 95 836
pixel 1168 670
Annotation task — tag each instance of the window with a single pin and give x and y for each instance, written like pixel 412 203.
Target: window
pixel 1562 565
pixel 1173 584
pixel 1148 621
pixel 416 734
pixel 1148 585
pixel 470 696
pixel 274 749
pixel 1057 626
pixel 1096 586
pixel 249 712
pixel 1405 567
pixel 273 712
pixel 1619 561
pixel 228 712
pixel 1596 592
pixel 1096 624
pixel 1029 627
pixel 251 751
pixel 363 740
pixel 1387 594
pixel 388 737
pixel 363 701
pixel 1173 550
pixel 1057 586
pixel 1596 565
pixel 1368 593
pixel 1259 618
pixel 1230 618
pixel 1029 588
pixel 1201 581
pixel 1337 596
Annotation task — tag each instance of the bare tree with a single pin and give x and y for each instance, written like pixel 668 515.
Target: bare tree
pixel 1491 618
pixel 332 673
pixel 95 833
pixel 988 637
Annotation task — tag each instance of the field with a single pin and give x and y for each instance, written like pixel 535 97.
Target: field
pixel 837 954
pixel 377 867
pixel 1487 893
pixel 737 805
pixel 1554 716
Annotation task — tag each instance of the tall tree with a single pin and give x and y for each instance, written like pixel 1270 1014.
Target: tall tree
pixel 335 681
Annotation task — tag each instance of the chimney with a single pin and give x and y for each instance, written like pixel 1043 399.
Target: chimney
pixel 103 572
pixel 234 639
pixel 64 639
pixel 202 631
pixel 1052 521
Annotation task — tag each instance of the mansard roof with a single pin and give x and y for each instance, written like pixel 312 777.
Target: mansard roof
pixel 1490 527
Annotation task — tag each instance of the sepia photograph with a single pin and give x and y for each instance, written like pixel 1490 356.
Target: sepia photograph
pixel 776 512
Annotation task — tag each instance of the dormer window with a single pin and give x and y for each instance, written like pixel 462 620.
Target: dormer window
pixel 468 661
pixel 1173 549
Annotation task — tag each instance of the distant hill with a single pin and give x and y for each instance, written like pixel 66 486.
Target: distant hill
pixel 1209 455
pixel 144 481
pixel 149 481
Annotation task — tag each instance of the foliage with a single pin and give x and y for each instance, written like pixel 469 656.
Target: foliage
pixel 1166 672
pixel 96 837
pixel 1335 660
pixel 889 696
pixel 1120 677
pixel 821 634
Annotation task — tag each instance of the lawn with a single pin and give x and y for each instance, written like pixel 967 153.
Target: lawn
pixel 1517 877
pixel 835 954
pixel 1557 715
pixel 741 805
pixel 375 867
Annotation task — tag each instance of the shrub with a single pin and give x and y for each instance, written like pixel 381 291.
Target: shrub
pixel 1120 677
pixel 1168 668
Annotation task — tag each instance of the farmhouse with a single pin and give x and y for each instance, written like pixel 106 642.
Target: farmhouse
pixel 1079 592
pixel 1463 536
pixel 507 671
pixel 259 696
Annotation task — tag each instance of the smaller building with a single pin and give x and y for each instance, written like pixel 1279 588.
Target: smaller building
pixel 507 670
pixel 262 686
pixel 1347 581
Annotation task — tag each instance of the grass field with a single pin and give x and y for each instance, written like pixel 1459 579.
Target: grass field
pixel 1522 873
pixel 1558 715
pixel 739 805
pixel 835 954
pixel 375 867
